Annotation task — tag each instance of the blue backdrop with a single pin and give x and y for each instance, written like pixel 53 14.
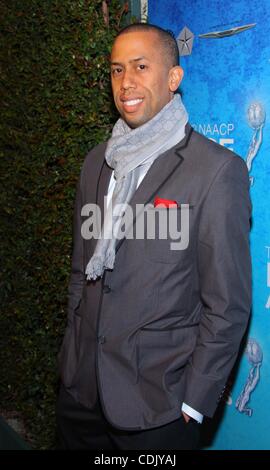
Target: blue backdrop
pixel 226 89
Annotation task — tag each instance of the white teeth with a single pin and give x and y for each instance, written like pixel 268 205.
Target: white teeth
pixel 132 102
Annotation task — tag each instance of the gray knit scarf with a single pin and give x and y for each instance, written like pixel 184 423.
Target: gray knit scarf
pixel 129 152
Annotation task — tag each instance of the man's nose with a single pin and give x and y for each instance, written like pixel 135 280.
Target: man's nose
pixel 128 80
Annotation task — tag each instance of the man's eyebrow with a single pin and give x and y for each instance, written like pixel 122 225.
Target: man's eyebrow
pixel 130 61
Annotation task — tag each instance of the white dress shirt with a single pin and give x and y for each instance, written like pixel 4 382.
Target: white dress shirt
pixel 185 408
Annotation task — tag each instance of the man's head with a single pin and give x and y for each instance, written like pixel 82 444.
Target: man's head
pixel 145 72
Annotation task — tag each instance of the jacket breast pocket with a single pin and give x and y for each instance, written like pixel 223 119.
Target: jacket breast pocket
pixel 167 234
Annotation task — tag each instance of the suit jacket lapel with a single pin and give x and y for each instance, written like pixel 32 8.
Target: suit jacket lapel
pixel 104 175
pixel 102 186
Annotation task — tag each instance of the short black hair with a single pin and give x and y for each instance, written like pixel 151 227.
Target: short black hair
pixel 167 39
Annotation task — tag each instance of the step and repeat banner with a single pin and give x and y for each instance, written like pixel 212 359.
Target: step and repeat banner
pixel 225 54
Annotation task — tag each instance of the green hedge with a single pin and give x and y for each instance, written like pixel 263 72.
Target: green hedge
pixel 56 105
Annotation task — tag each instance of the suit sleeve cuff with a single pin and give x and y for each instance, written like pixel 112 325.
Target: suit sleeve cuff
pixel 192 413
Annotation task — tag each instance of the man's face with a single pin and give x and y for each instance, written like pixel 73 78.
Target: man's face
pixel 142 81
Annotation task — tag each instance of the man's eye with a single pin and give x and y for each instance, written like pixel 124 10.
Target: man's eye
pixel 142 67
pixel 116 71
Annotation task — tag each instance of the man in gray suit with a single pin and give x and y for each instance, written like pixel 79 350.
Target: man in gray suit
pixel 153 332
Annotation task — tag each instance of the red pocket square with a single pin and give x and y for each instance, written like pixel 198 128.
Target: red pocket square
pixel 159 202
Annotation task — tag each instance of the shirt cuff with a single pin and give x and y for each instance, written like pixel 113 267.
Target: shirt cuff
pixel 192 413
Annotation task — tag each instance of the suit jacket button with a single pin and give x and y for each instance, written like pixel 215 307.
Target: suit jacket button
pixel 106 289
pixel 101 339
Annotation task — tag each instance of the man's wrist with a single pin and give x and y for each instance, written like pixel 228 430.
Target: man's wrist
pixel 186 417
pixel 194 414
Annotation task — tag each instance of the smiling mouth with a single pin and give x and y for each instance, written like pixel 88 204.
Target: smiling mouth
pixel 132 105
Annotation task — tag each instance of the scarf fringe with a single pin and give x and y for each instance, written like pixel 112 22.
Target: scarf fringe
pixel 95 268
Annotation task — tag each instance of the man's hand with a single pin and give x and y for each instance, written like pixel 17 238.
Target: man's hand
pixel 186 417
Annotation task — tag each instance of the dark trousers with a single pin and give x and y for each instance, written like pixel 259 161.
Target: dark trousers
pixel 81 428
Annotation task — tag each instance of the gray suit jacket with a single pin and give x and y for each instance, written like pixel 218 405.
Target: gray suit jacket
pixel 163 326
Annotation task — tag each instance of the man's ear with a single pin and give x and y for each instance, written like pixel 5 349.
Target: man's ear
pixel 175 77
